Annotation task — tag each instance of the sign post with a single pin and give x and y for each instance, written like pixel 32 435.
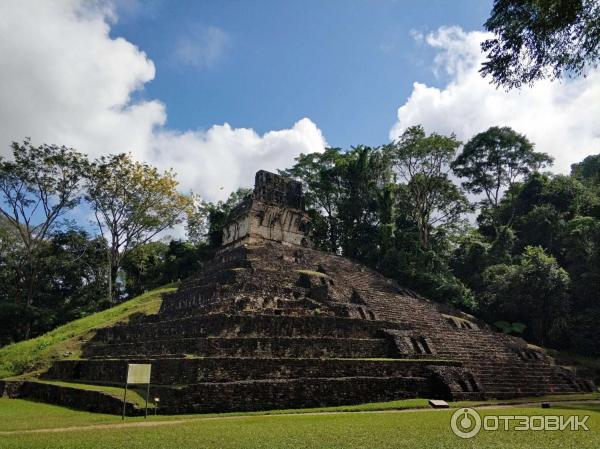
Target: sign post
pixel 137 374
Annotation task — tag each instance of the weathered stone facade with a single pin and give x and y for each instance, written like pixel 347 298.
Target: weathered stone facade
pixel 271 323
pixel 275 211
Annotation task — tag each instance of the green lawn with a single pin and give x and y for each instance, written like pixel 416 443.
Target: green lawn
pixel 411 429
pixel 37 354
pixel 18 414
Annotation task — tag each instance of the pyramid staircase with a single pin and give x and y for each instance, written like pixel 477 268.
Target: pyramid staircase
pixel 270 326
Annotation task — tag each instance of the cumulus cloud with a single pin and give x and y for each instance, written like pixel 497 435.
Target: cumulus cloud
pixel 202 48
pixel 65 80
pixel 561 118
pixel 238 152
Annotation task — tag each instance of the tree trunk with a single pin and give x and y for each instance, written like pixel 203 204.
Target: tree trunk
pixel 109 283
pixel 113 270
pixel 29 292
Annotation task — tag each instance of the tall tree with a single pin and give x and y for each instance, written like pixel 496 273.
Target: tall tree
pixel 72 278
pixel 365 202
pixel 429 196
pixel 536 39
pixel 132 203
pixel 37 187
pixel 493 161
pixel 588 170
pixel 534 292
pixel 321 177
pixel 69 282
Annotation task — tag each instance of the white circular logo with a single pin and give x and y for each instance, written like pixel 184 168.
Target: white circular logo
pixel 465 423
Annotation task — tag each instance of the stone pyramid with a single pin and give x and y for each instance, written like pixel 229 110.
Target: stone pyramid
pixel 271 323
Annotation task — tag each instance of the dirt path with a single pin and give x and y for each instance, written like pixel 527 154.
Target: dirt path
pixel 171 422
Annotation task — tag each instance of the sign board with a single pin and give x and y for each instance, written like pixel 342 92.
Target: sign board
pixel 138 373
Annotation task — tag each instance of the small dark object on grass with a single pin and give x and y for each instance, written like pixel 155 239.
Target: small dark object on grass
pixel 546 405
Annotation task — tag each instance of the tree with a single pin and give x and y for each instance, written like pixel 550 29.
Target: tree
pixel 37 188
pixel 73 277
pixel 537 39
pixel 365 202
pixel 70 278
pixel 156 264
pixel 143 267
pixel 493 161
pixel 580 244
pixel 132 203
pixel 534 292
pixel 588 170
pixel 11 276
pixel 428 195
pixel 321 178
pixel 206 220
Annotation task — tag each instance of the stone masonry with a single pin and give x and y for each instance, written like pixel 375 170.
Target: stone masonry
pixel 271 323
pixel 275 212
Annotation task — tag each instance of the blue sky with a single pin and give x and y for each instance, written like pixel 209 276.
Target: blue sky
pixel 217 90
pixel 345 64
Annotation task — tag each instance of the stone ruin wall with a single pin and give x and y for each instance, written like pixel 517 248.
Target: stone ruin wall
pixel 275 211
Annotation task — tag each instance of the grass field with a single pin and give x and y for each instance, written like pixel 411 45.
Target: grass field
pixel 37 354
pixel 402 429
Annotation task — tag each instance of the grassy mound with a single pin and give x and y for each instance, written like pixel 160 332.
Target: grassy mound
pixel 33 356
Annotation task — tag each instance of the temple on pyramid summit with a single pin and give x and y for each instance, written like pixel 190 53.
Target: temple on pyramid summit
pixel 270 323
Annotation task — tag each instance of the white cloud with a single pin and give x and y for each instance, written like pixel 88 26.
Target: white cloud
pixel 217 161
pixel 202 48
pixel 561 118
pixel 65 80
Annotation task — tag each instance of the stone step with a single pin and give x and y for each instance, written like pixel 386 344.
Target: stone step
pixel 287 393
pixel 250 325
pixel 214 369
pixel 259 347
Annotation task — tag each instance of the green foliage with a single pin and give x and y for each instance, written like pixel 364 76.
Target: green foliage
pixel 366 188
pixel 38 353
pixel 70 278
pixel 322 177
pixel 427 195
pixel 359 209
pixel 205 220
pixel 132 203
pixel 510 328
pixel 537 39
pixel 535 291
pixel 142 267
pixel 37 187
pixel 494 160
pixel 587 170
pixel 157 263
